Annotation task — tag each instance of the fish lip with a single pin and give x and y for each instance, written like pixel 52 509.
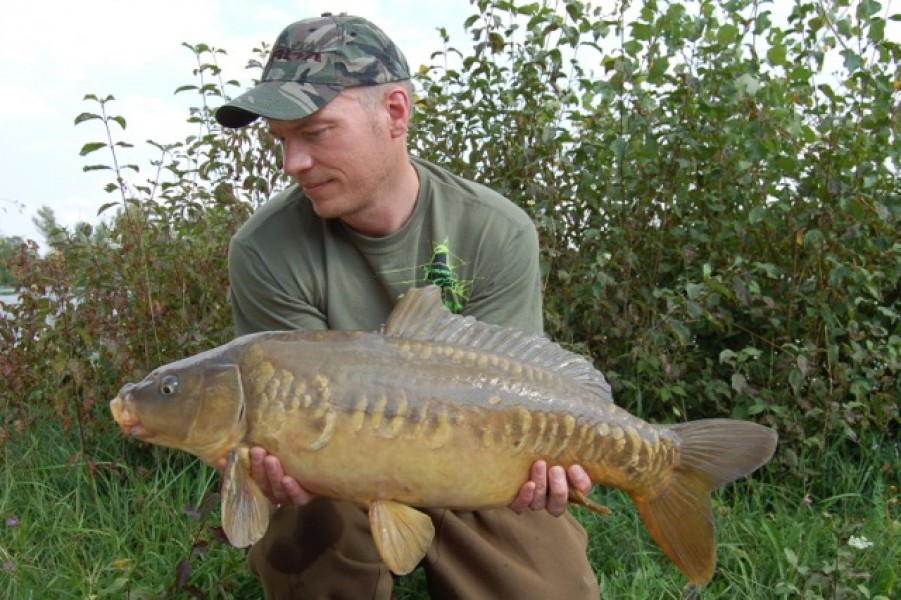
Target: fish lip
pixel 135 431
pixel 126 416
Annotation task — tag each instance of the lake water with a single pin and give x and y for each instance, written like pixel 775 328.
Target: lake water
pixel 7 297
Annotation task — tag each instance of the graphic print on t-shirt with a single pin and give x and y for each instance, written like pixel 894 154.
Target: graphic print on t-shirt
pixel 441 271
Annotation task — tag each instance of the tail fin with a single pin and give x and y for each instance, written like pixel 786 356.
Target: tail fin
pixel 679 518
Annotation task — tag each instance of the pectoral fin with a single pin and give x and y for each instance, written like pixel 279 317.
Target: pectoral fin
pixel 245 509
pixel 402 534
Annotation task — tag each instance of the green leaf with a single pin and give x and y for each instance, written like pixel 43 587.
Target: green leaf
pixel 739 383
pixel 641 31
pixel 771 270
pixel 813 238
pixel 757 214
pixel 632 47
pixel 718 287
pixel 747 83
pixel 786 163
pixel 85 116
pixel 658 69
pixel 694 290
pixel 776 55
pixel 748 353
pixel 795 380
pixel 852 59
pixel 496 42
pixel 762 22
pixel 844 28
pixel 91 147
pixel 868 8
pixel 574 9
pixel 728 357
pixel 104 207
pixel 682 332
pixel 877 30
pixel 727 34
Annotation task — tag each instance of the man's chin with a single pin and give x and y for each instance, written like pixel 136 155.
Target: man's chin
pixel 326 209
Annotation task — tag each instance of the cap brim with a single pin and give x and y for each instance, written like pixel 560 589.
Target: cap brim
pixel 282 100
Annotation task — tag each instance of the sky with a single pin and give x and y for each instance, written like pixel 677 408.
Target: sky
pixel 54 52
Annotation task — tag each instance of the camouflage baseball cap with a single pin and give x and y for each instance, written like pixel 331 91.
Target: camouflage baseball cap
pixel 311 62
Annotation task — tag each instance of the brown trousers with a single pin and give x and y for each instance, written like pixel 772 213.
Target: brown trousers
pixel 325 550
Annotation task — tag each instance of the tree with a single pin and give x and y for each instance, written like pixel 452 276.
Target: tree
pixel 45 220
pixel 9 246
pixel 55 235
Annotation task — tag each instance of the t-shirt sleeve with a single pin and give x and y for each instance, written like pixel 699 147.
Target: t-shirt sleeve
pixel 259 302
pixel 508 292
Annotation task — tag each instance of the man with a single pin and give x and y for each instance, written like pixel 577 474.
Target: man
pixel 364 222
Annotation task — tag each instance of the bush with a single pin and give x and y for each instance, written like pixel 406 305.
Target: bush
pixel 719 218
pixel 150 286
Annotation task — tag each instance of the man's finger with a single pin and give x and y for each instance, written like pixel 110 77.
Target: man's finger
pixel 579 479
pixel 294 493
pixel 274 475
pixel 258 470
pixel 558 491
pixel 524 497
pixel 539 477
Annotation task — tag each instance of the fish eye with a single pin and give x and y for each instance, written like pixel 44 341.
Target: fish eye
pixel 169 385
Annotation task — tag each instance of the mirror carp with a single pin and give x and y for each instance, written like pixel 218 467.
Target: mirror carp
pixel 433 410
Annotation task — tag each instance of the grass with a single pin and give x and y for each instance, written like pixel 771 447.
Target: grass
pixel 122 524
pixel 130 521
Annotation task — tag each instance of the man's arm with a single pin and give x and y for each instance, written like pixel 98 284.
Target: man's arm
pixel 258 302
pixel 507 287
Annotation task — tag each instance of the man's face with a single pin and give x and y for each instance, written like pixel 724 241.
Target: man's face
pixel 342 156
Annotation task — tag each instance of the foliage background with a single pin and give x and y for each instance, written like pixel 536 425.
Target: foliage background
pixel 716 193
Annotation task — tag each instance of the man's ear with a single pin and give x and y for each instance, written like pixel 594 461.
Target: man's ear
pixel 398 104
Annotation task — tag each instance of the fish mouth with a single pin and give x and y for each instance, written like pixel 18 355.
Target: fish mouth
pixel 126 416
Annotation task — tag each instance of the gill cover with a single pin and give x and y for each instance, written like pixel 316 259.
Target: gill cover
pixel 219 420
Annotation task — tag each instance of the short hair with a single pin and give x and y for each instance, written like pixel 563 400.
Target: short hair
pixel 370 96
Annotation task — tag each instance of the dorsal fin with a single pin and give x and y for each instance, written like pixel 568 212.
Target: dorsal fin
pixel 420 315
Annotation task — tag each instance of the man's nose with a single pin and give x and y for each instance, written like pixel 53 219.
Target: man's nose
pixel 297 157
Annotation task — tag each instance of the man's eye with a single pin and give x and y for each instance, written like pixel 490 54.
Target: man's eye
pixel 315 133
pixel 169 385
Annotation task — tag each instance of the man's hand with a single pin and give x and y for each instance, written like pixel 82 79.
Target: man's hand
pixel 266 470
pixel 548 489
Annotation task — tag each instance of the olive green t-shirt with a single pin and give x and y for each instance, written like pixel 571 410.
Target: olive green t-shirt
pixel 291 269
